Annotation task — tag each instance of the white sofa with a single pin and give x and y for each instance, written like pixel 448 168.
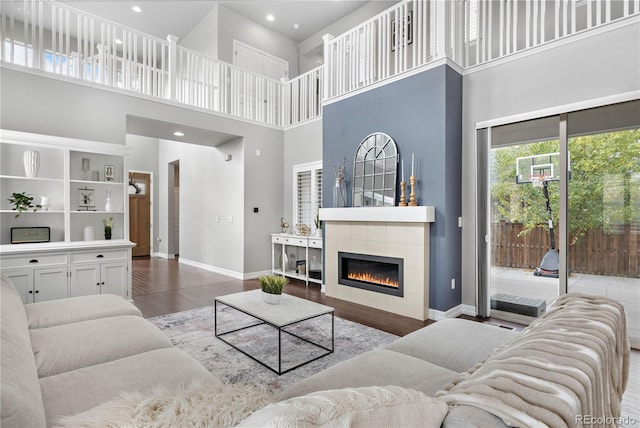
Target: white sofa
pixel 66 356
pixel 70 356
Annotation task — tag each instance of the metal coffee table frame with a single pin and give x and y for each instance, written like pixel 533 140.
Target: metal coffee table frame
pixel 281 330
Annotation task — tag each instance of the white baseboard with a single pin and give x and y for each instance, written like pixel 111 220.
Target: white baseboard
pixel 210 268
pixel 469 310
pixel 163 255
pixel 254 275
pixel 437 315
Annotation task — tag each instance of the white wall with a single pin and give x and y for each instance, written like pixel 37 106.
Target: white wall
pixel 302 144
pixel 144 157
pixel 203 37
pixel 582 71
pixel 234 26
pixel 31 102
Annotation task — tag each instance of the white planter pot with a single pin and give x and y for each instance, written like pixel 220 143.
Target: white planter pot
pixel 31 159
pixel 272 299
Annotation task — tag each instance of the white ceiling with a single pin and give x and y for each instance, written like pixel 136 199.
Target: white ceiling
pixel 163 17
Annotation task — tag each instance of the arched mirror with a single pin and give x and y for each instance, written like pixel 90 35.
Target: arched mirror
pixel 374 172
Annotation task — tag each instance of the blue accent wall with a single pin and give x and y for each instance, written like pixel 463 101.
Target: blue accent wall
pixel 423 114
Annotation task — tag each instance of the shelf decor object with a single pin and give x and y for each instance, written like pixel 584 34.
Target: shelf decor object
pixel 85 168
pixel 22 202
pixel 109 173
pixel 340 186
pixel 31 159
pixel 86 198
pixel 108 204
pixel 108 227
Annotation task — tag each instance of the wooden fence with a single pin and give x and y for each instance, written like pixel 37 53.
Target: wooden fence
pixel 597 252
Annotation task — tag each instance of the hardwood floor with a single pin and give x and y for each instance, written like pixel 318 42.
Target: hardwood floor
pixel 163 286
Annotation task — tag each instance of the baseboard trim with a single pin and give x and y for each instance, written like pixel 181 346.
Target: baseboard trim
pixel 164 255
pixel 469 310
pixel 222 271
pixel 437 315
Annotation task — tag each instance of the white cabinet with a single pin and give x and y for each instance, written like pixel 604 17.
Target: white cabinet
pixel 298 257
pixel 84 184
pixel 40 284
pixel 99 278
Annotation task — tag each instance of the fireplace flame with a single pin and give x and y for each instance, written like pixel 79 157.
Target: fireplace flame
pixel 367 277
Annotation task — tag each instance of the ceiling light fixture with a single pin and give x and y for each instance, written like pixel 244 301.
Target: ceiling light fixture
pixel 296 26
pixel 118 42
pixel 270 17
pixel 178 134
pixel 136 9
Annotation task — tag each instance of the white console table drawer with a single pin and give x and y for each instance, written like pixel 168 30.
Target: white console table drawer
pixel 300 242
pixel 34 261
pixel 315 243
pixel 98 256
pixel 277 239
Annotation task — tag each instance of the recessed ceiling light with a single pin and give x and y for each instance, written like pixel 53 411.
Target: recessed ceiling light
pixel 270 17
pixel 178 134
pixel 118 42
pixel 136 9
pixel 24 11
pixel 296 26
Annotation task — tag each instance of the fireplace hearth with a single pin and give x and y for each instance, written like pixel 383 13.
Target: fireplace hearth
pixel 370 272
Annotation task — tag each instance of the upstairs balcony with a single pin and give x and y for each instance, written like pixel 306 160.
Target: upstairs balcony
pixel 55 39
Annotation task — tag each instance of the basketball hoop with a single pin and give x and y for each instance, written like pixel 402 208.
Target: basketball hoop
pixel 538 179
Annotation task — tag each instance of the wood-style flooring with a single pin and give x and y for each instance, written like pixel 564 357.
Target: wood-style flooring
pixel 165 286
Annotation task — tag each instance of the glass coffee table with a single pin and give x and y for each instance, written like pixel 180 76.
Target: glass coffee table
pixel 283 318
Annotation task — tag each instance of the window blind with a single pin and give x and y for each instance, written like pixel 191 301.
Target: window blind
pixel 307 192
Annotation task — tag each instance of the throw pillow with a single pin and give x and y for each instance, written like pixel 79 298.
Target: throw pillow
pixel 373 406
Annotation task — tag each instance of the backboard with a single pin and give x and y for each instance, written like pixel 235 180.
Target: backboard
pixel 538 168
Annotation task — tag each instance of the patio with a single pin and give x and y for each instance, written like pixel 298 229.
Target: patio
pixel 520 282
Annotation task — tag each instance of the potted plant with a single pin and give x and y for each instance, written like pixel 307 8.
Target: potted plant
pixel 108 226
pixel 272 286
pixel 22 202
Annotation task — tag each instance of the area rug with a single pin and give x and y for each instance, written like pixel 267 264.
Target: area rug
pixel 193 331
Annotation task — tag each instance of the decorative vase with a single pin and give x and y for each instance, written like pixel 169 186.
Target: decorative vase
pixel 31 159
pixel 89 233
pixel 44 203
pixel 284 262
pixel 339 193
pixel 318 233
pixel 272 299
pixel 107 234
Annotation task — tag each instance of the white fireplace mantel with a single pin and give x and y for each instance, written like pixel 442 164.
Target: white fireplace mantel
pixel 421 214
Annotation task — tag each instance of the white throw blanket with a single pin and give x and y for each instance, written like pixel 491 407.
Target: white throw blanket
pixel 568 368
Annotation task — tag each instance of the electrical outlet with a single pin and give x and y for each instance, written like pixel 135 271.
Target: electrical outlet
pixel 453 283
pixel 216 218
pixel 230 219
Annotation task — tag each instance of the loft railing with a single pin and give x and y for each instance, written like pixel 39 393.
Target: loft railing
pixel 55 38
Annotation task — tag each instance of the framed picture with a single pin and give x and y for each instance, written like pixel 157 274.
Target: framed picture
pixel 108 173
pixel 86 199
pixel 408 38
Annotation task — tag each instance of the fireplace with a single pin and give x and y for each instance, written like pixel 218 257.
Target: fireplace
pixel 373 273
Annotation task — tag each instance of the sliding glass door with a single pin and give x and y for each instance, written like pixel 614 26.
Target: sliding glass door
pixel 559 211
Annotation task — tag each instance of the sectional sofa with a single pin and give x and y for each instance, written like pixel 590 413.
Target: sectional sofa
pixel 65 357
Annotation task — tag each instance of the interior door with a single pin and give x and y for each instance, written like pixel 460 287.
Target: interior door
pixel 140 213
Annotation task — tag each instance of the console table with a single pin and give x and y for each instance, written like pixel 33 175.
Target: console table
pixel 298 257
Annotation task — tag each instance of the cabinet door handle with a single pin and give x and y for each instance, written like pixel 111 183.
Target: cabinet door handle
pixel 30 291
pixel 102 283
pixel 33 261
pixel 37 291
pixel 97 283
pixel 99 256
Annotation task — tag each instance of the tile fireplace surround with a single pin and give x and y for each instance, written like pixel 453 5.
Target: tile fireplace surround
pixel 401 232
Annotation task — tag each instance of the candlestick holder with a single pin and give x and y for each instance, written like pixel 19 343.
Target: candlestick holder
pixel 403 198
pixel 412 196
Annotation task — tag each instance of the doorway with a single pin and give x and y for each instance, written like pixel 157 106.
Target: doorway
pixel 568 183
pixel 140 217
